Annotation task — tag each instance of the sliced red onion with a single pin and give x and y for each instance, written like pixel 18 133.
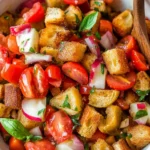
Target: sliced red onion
pixel 36 131
pixel 31 58
pixel 93 45
pixel 14 30
pixel 97 78
pixel 141 106
pixel 73 144
pixel 108 40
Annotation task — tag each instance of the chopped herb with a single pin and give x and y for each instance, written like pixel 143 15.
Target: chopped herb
pixel 76 109
pixel 102 68
pixel 75 120
pixel 32 50
pixel 77 19
pixel 66 103
pixel 21 49
pixel 6 17
pixel 89 34
pixel 98 36
pixel 41 111
pixel 97 3
pixel 96 9
pixel 92 90
pixel 22 42
pixel 66 12
pixel 142 94
pixel 86 146
pixel 140 113
pixel 61 46
pixel 125 135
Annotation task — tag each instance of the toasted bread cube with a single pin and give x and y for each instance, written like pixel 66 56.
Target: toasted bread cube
pixel 142 81
pixel 96 25
pixel 101 145
pixel 27 123
pixel 88 60
pixel 71 51
pixel 103 98
pixel 73 16
pixel 89 122
pixel 4 111
pixel 54 16
pixel 56 3
pixel 116 61
pixel 53 35
pixel 73 99
pixel 113 120
pixel 121 145
pixel 123 23
pixel 98 5
pixel 1 92
pixel 12 96
pixel 140 135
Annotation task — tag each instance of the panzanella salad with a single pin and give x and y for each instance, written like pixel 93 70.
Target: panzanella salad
pixel 72 77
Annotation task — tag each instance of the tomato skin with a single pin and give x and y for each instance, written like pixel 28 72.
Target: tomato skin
pixel 121 83
pixel 15 144
pixel 76 72
pixel 49 111
pixel 128 43
pixel 59 126
pixel 54 75
pixel 35 14
pixel 33 82
pixel 75 2
pixel 67 83
pixel 85 89
pixel 12 44
pixel 12 73
pixel 122 104
pixel 139 61
pixel 39 145
pixel 108 1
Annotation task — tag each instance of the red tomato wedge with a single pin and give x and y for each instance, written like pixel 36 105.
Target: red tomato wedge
pixel 39 145
pixel 49 111
pixel 35 14
pixel 59 126
pixel 76 72
pixel 139 61
pixel 75 2
pixel 67 83
pixel 85 89
pixel 108 1
pixel 121 82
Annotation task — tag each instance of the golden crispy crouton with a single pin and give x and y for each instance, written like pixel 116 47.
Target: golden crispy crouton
pixel 116 61
pixel 123 23
pixel 12 96
pixel 73 16
pixel 54 16
pixel 1 91
pixel 112 122
pixel 56 3
pixel 88 60
pixel 98 5
pixel 72 98
pixel 53 35
pixel 101 145
pixel 27 123
pixel 71 51
pixel 6 21
pixel 121 145
pixel 96 25
pixel 140 135
pixel 103 98
pixel 142 81
pixel 89 122
pixel 4 111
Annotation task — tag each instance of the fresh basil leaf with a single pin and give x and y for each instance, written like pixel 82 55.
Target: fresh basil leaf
pixel 96 9
pixel 66 102
pixel 97 3
pixel 36 138
pixel 92 90
pixel 75 120
pixel 98 36
pixel 102 68
pixel 77 19
pixel 32 50
pixel 41 111
pixel 125 135
pixel 142 94
pixel 140 113
pixel 88 22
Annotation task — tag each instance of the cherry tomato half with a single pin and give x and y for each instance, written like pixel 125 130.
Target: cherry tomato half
pixel 85 89
pixel 76 72
pixel 121 82
pixel 59 126
pixel 139 61
pixel 35 14
pixel 75 2
pixel 33 82
pixel 49 111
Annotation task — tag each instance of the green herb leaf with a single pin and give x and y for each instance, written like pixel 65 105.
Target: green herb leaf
pixel 41 111
pixel 97 3
pixel 66 102
pixel 21 49
pixel 96 9
pixel 32 50
pixel 6 17
pixel 98 36
pixel 77 19
pixel 92 90
pixel 35 138
pixel 75 120
pixel 140 113
pixel 125 135
pixel 142 94
pixel 88 21
pixel 89 34
pixel 86 146
pixel 76 108
pixel 16 129
pixel 102 68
